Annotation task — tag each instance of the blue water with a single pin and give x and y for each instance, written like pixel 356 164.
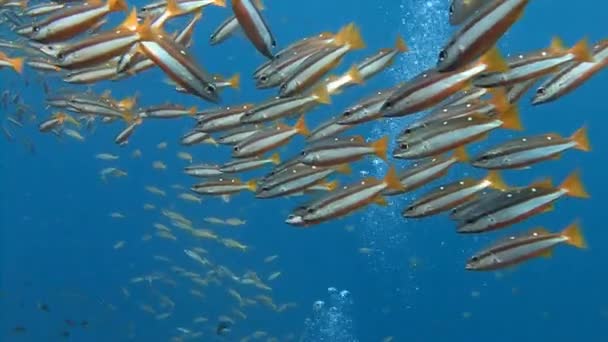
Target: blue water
pixel 57 236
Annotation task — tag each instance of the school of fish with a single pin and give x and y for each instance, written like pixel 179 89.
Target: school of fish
pixel 470 92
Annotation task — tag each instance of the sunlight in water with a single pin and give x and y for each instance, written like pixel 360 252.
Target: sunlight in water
pixel 331 321
pixel 424 26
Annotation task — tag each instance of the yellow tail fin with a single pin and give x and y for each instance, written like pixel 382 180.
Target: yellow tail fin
pixel 494 61
pixel 130 22
pixel 574 235
pixel 331 186
pixel 355 75
pixel 510 119
pixel 557 45
pixel 276 158
pixel 235 81
pixel 392 180
pixel 192 110
pixel 496 181
pixel 252 185
pixel 581 139
pixel 17 64
pixel 380 147
pixel 574 186
pixel 581 51
pixel 344 169
pixel 220 3
pixel 350 36
pixel 300 127
pixel 322 95
pixel 117 5
pixel 460 153
pixel 401 45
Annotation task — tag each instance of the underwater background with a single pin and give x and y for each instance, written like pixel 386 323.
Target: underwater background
pixel 57 236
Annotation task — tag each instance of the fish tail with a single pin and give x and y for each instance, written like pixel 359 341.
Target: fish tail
pixel 219 3
pixel 300 127
pixel 392 180
pixel 350 35
pixel 127 103
pixel 574 236
pixel 331 186
pixel 344 169
pixel 252 185
pixel 235 81
pixel 70 119
pixel 494 61
pixel 130 21
pixel 355 75
pixel 276 158
pixel 380 147
pixel 400 45
pixel 581 139
pixel 581 51
pixel 173 9
pixel 510 119
pixel 192 110
pixel 500 100
pixel 557 45
pixel 574 186
pixel 496 181
pixel 117 5
pixel 17 64
pixel 460 153
pixel 322 95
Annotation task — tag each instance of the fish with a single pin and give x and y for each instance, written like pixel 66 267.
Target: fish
pixel 222 118
pixel 367 109
pixel 57 120
pixel 335 151
pixel 246 164
pixel 433 86
pixel 238 134
pixel 279 107
pixel 461 10
pixel 426 171
pixel 226 30
pixel 328 129
pixel 441 136
pixel 517 249
pixel 166 111
pixel 223 185
pixel 43 9
pixel 268 139
pixel 177 63
pixel 255 27
pixel 523 152
pixel 194 137
pixel 296 179
pixel 446 197
pixel 381 60
pixel 572 76
pixel 64 24
pixel 96 48
pixel 344 201
pixel 479 33
pixel 123 137
pixel 516 205
pixel 517 91
pixel 537 64
pixel 316 66
pixel 203 170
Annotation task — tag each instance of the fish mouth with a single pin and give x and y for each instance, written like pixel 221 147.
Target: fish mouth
pixel 469 267
pixel 295 220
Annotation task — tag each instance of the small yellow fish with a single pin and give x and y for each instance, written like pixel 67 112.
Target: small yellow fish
pixel 185 156
pixel 159 165
pixel 189 197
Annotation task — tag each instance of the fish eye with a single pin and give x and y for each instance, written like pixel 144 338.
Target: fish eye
pixel 347 113
pixel 541 91
pixel 475 259
pixel 60 55
pixel 407 131
pixel 263 78
pixel 404 146
pixel 235 148
pixel 210 89
pixel 484 158
pixel 303 153
pixel 388 105
pixel 410 208
pixel 469 221
pixel 443 55
pixel 36 28
pixel 265 188
pixel 452 9
pixel 310 210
